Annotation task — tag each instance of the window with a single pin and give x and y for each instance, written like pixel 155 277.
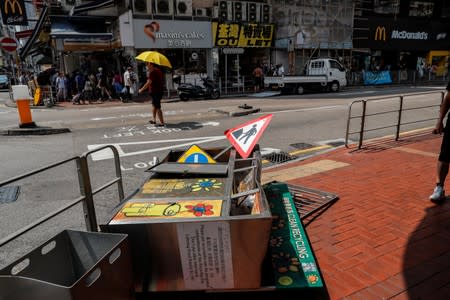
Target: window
pixel 420 9
pixel 336 65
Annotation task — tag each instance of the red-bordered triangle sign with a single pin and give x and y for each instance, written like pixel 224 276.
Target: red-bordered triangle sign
pixel 245 136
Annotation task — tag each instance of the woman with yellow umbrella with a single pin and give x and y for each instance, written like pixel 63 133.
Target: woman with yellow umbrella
pixel 155 82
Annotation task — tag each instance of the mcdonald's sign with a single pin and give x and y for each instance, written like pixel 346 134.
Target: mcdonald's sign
pixel 380 33
pixel 13 12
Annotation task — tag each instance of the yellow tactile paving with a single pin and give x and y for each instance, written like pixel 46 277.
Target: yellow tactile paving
pixel 415 151
pixel 302 171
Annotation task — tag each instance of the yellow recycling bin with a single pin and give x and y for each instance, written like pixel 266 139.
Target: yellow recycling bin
pixel 22 98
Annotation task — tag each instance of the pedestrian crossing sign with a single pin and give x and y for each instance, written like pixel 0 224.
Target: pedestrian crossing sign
pixel 245 136
pixel 196 155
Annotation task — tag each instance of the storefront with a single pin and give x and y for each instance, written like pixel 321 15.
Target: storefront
pixel 239 48
pixel 403 43
pixel 187 44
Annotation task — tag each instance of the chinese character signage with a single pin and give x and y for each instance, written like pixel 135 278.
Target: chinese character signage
pixel 13 12
pixel 242 35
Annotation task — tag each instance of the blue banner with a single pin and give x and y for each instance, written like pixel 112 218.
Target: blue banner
pixel 380 77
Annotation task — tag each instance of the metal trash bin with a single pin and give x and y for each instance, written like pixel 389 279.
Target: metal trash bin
pixel 72 265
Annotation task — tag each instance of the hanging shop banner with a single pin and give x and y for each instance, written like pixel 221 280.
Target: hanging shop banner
pixel 13 12
pixel 373 78
pixel 242 35
pixel 167 34
pixel 407 34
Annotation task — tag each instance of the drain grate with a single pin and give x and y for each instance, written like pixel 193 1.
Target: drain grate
pixel 9 193
pixel 310 203
pixel 302 146
pixel 279 157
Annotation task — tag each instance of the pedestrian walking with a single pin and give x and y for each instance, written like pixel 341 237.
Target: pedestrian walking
pixel 444 155
pixel 155 84
pixel 257 77
pixel 102 85
pixel 60 84
pixel 129 79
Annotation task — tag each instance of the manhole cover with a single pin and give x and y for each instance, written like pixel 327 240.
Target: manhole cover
pixel 279 157
pixel 302 146
pixel 9 194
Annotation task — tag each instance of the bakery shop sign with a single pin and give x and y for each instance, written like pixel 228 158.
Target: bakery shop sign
pixel 173 34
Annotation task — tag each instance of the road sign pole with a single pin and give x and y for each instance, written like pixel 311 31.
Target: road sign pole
pixel 11 59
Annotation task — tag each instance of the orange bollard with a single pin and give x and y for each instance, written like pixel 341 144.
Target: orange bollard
pixel 21 95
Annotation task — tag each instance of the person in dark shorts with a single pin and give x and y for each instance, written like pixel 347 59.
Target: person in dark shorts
pixel 444 155
pixel 155 85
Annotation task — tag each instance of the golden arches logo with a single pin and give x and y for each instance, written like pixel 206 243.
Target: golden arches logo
pixel 380 33
pixel 12 4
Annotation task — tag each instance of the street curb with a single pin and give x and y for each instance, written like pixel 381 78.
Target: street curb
pixel 237 113
pixel 33 131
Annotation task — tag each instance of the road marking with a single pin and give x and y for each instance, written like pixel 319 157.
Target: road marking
pixel 302 151
pixel 353 93
pixel 142 115
pixel 107 154
pixel 285 174
pixel 301 109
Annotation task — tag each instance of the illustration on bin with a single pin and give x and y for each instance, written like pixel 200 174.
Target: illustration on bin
pixel 72 265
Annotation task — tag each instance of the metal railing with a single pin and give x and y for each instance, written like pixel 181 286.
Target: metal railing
pixel 86 193
pixel 364 116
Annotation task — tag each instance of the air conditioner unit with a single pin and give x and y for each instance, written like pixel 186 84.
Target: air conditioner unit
pixel 265 13
pixel 254 12
pixel 163 7
pixel 202 12
pixel 239 11
pixel 225 10
pixel 142 7
pixel 183 7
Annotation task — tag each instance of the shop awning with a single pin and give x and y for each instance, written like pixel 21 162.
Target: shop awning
pixel 79 28
pixel 91 6
pixel 37 30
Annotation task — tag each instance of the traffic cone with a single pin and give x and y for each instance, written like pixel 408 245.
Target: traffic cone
pixel 22 98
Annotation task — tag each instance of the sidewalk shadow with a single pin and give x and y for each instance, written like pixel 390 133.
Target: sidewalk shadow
pixel 426 260
pixel 385 144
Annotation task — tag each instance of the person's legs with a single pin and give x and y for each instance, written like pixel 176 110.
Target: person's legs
pixel 160 116
pixel 157 108
pixel 442 167
pixel 442 171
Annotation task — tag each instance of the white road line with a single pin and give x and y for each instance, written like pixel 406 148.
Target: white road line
pixel 302 109
pixel 107 154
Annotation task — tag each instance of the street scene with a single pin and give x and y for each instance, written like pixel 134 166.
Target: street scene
pixel 214 149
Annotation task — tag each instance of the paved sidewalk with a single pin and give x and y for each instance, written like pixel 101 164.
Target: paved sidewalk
pixel 383 239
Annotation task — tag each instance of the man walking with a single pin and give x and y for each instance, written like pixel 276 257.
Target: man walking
pixel 155 85
pixel 444 156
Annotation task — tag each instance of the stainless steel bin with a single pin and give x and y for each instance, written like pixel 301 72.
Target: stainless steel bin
pixel 72 265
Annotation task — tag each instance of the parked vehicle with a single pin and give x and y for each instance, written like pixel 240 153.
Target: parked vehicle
pixel 188 91
pixel 323 74
pixel 4 81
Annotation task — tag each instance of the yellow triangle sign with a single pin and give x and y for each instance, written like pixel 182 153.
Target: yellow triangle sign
pixel 196 155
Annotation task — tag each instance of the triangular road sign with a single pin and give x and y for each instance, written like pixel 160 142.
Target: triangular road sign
pixel 245 136
pixel 196 155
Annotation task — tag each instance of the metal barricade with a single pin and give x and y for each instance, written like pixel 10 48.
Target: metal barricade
pixel 398 122
pixel 86 193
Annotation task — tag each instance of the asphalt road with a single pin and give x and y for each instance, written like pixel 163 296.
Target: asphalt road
pixel 299 124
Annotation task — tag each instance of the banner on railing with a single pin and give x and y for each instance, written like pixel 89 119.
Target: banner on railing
pixel 380 77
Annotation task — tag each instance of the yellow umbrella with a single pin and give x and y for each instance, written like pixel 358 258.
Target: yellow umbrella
pixel 154 57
